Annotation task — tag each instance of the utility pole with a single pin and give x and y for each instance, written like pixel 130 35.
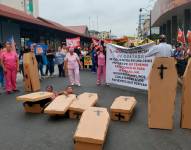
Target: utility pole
pixel 150 24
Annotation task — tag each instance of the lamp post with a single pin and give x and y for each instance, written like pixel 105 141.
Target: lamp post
pixel 150 21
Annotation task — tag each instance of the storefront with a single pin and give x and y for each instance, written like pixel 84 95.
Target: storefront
pixel 170 15
pixel 24 27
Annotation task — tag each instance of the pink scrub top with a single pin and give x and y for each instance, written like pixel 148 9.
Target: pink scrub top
pixel 101 59
pixel 72 60
pixel 10 59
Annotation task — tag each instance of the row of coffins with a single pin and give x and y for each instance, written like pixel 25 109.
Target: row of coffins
pixel 94 121
pixel 162 94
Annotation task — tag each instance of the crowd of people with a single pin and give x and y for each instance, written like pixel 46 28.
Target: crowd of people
pixel 179 51
pixel 68 60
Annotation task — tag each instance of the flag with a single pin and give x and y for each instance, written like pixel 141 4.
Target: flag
pixel 181 37
pixel 189 37
pixel 95 42
pixel 12 41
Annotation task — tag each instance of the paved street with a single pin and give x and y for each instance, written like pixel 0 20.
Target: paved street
pixel 20 131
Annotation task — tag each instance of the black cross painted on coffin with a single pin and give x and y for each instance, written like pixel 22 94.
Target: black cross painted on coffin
pixel 98 112
pixel 162 68
pixel 119 116
pixel 126 98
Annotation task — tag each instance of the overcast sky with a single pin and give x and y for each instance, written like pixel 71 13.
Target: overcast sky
pixel 121 16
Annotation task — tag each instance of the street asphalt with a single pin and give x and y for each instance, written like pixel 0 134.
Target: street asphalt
pixel 21 131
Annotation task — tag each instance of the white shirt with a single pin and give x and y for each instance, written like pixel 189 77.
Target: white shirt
pixel 161 50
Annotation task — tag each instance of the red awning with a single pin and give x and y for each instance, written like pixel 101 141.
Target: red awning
pixel 12 13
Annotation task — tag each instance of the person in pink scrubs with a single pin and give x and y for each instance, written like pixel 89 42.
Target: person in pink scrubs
pixel 10 66
pixel 101 62
pixel 73 63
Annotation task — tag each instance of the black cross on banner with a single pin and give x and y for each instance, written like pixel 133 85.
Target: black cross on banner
pixel 119 116
pixel 162 68
pixel 98 112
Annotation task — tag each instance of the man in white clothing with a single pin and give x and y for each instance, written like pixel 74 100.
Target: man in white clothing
pixel 161 50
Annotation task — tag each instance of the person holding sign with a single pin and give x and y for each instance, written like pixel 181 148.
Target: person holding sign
pixel 10 64
pixel 101 62
pixel 73 62
pixel 161 50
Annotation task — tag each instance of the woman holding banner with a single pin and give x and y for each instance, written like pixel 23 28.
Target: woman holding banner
pixel 73 62
pixel 101 63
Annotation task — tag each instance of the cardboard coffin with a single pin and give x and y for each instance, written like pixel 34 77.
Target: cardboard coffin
pixel 35 102
pixel 122 108
pixel 83 102
pixel 31 75
pixel 162 93
pixel 92 129
pixel 186 99
pixel 60 105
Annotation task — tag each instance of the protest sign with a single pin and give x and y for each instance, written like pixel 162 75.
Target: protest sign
pixel 74 42
pixel 128 66
pixel 87 61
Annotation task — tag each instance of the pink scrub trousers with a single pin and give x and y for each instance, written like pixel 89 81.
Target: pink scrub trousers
pixel 10 79
pixel 74 76
pixel 73 68
pixel 101 74
pixel 10 64
pixel 101 70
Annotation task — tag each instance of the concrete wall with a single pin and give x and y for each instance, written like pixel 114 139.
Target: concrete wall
pixel 36 8
pixel 21 5
pixel 17 4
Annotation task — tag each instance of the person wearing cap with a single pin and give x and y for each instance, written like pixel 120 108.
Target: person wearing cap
pixel 179 55
pixel 10 64
pixel 1 68
pixel 73 62
pixel 161 50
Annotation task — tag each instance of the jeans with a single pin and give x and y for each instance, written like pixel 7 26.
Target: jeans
pixel 50 67
pixel 40 67
pixel 94 67
pixel 1 77
pixel 61 70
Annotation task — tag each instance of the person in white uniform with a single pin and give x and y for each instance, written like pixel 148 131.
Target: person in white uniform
pixel 161 50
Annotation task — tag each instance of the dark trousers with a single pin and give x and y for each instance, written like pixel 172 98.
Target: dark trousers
pixel 94 67
pixel 50 67
pixel 61 70
pixel 181 67
pixel 40 68
pixel 1 77
pixel 21 69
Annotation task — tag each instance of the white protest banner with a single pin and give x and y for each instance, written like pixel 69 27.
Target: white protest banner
pixel 128 66
pixel 74 42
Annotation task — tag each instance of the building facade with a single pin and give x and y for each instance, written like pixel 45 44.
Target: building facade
pixel 24 27
pixel 31 7
pixel 104 35
pixel 170 15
